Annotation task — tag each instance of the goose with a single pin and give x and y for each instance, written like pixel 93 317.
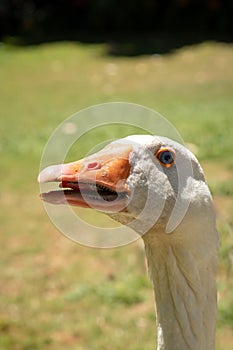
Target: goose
pixel 157 187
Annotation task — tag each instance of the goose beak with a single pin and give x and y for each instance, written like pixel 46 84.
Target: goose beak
pixel 98 181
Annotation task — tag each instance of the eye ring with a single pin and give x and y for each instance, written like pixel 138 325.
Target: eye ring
pixel 166 157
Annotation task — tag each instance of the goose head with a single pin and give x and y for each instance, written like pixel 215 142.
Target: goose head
pixel 140 180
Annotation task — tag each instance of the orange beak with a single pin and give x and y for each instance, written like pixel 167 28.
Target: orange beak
pixel 98 181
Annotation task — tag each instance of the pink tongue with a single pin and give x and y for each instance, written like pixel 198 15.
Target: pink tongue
pixel 72 185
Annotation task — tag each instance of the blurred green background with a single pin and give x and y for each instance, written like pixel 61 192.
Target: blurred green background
pixel 56 294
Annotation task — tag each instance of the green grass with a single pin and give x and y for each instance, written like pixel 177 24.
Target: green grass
pixel 56 294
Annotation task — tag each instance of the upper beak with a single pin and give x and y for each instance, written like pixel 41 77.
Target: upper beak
pixel 97 181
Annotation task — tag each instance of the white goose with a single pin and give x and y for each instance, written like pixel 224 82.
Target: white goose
pixel 157 187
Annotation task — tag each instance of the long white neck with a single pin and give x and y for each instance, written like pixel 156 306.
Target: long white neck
pixel 182 267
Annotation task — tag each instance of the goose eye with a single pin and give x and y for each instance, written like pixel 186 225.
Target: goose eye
pixel 166 157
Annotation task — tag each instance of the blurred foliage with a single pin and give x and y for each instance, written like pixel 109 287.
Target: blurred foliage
pixel 35 21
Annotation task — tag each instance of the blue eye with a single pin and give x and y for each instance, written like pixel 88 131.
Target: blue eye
pixel 166 157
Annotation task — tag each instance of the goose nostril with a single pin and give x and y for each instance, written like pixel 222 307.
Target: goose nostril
pixel 93 166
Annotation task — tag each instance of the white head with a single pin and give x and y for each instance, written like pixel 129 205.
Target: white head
pixel 156 180
pixel 165 179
